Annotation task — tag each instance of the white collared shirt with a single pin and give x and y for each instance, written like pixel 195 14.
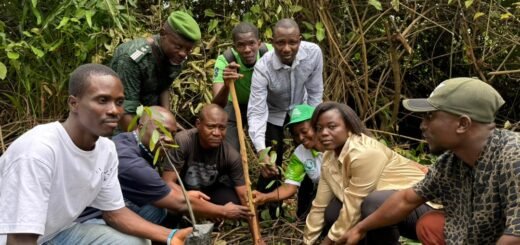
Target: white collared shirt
pixel 276 88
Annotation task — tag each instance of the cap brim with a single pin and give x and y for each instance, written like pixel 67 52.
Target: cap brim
pixel 291 123
pixel 418 105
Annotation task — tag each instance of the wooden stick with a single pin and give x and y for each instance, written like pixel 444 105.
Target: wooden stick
pixel 241 139
pixel 503 72
pixel 2 140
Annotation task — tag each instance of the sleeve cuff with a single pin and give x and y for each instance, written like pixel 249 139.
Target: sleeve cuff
pixel 332 237
pixel 292 182
pixel 259 146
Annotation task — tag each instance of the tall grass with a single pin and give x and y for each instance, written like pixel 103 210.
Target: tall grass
pixel 41 42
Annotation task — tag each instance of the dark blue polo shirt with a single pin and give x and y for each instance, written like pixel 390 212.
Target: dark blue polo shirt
pixel 140 182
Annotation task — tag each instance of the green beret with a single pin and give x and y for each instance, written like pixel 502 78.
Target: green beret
pixel 183 24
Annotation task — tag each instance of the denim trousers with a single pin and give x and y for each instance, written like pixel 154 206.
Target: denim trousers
pixel 96 231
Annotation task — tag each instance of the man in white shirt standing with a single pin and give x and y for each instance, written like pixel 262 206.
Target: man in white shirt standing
pixel 50 174
pixel 289 76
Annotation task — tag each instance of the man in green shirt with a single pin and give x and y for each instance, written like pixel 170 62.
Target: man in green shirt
pixel 148 66
pixel 237 64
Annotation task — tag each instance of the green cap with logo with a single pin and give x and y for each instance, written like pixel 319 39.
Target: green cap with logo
pixel 183 24
pixel 300 113
pixel 461 96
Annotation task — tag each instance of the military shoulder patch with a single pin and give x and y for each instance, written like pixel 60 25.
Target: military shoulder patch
pixel 138 54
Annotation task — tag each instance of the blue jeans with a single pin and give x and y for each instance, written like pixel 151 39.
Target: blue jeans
pixel 96 231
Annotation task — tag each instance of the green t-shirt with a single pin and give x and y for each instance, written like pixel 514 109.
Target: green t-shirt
pixel 242 85
pixel 303 161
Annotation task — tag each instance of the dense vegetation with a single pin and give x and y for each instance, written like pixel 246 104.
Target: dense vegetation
pixel 376 52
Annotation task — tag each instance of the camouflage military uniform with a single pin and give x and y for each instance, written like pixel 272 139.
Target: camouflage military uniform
pixel 145 72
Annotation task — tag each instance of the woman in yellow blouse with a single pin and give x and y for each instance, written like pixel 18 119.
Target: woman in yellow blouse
pixel 357 169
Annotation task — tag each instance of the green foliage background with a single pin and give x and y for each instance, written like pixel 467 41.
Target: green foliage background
pixel 376 52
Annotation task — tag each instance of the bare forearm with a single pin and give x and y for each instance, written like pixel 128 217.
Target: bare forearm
pixel 206 209
pixel 21 239
pixel 128 222
pixel 281 193
pixel 508 240
pixel 199 206
pixel 171 182
pixel 164 99
pixel 174 202
pixel 220 95
pixel 393 210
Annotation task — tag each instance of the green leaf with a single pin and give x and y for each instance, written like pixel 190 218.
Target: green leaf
pixel 279 9
pixel 272 157
pixel 63 22
pixel 320 31
pixel 268 33
pixel 265 213
pixel 468 3
pixel 213 23
pixel 296 8
pixel 148 111
pixel 209 13
pixel 163 129
pixel 308 25
pixel 12 55
pixel 307 35
pixel 34 3
pixel 3 71
pixel 255 9
pixel 270 184
pixel 154 139
pixel 260 22
pixel 56 45
pixel 395 4
pixel 133 123
pixel 264 153
pixel 37 14
pixel 280 169
pixel 505 16
pixel 508 125
pixel 156 157
pixel 376 4
pixel 38 52
pixel 139 110
pixel 450 1
pixel 478 15
pixel 171 146
pixel 88 17
pixel 357 56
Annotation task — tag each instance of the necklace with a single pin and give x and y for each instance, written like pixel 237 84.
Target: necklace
pixel 141 145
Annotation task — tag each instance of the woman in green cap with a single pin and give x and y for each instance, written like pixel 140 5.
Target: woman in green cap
pixel 303 169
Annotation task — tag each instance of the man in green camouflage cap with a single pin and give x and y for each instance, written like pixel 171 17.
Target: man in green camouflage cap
pixel 148 66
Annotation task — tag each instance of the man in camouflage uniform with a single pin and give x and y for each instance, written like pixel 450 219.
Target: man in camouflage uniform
pixel 148 66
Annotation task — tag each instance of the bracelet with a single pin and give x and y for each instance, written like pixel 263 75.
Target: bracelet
pixel 171 236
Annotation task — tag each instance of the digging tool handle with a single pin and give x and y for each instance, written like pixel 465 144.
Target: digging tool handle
pixel 241 139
